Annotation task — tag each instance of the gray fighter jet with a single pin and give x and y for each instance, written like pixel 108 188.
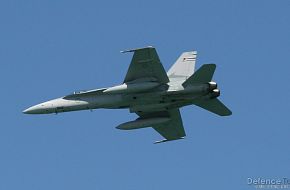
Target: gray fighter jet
pixel 154 95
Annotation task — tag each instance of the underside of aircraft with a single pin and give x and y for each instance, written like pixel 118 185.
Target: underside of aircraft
pixel 154 95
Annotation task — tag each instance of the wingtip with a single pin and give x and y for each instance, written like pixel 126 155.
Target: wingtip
pixel 132 50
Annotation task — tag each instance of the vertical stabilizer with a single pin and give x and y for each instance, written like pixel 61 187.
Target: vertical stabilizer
pixel 183 68
pixel 203 75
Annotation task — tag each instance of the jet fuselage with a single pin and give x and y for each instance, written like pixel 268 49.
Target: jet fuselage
pixel 142 97
pixel 150 92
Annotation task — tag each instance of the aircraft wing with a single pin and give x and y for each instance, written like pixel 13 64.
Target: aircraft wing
pixel 145 64
pixel 171 130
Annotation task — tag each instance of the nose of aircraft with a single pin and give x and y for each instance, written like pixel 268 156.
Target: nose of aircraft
pixel 32 110
pixel 43 108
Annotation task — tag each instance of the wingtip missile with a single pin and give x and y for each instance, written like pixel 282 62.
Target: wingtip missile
pixel 132 50
pixel 165 140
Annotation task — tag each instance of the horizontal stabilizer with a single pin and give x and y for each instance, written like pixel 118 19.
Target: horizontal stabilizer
pixel 215 106
pixel 203 75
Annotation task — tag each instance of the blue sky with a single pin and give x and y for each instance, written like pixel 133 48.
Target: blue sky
pixel 51 48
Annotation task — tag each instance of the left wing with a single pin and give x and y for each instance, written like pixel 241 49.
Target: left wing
pixel 171 130
pixel 146 65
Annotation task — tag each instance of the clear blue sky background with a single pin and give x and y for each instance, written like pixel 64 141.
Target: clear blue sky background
pixel 51 48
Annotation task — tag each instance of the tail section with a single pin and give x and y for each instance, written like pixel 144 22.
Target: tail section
pixel 183 68
pixel 209 102
pixel 215 106
pixel 203 75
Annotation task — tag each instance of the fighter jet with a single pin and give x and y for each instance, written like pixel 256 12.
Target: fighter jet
pixel 147 90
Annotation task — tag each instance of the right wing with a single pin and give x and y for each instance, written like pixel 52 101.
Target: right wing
pixel 145 64
pixel 171 130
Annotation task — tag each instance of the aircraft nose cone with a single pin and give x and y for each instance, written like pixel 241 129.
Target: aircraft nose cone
pixel 43 108
pixel 37 109
pixel 31 110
